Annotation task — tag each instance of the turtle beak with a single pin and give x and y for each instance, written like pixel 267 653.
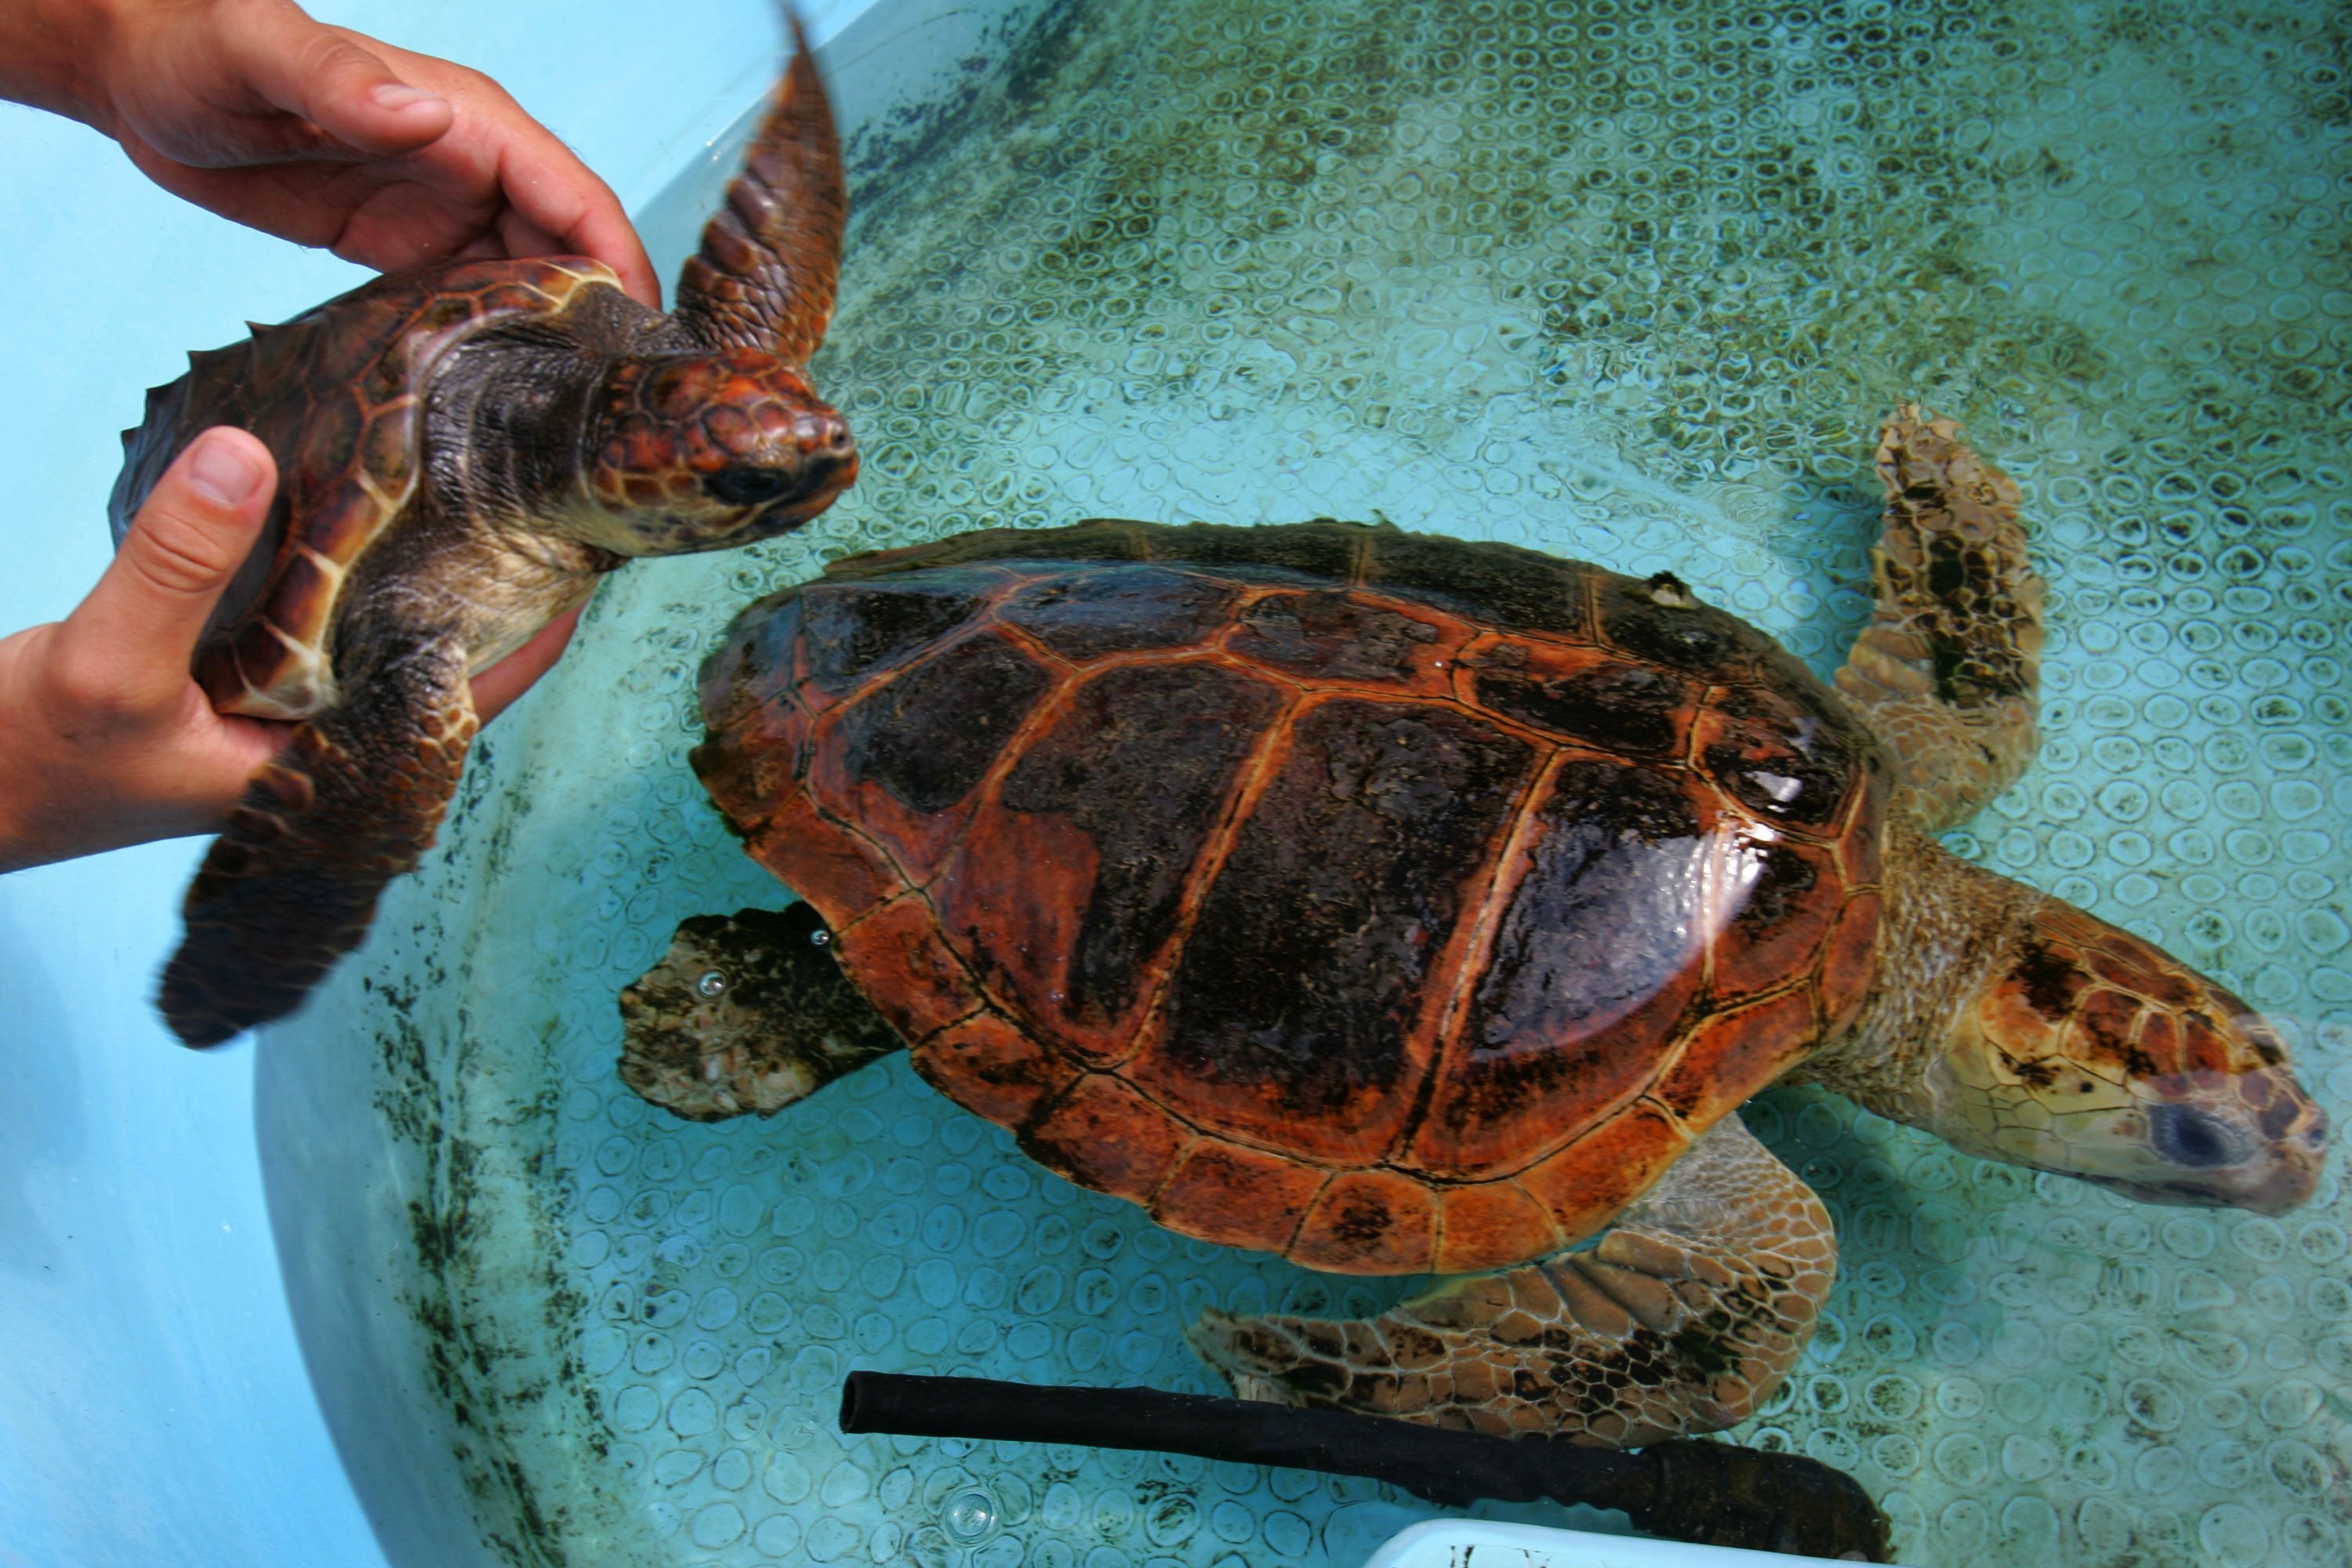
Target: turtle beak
pixel 798 477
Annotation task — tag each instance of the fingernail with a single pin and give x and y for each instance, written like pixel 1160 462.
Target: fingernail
pixel 396 96
pixel 222 470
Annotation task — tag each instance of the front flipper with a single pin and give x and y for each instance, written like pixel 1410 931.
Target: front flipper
pixel 291 886
pixel 765 276
pixel 746 1013
pixel 1948 671
pixel 1691 1310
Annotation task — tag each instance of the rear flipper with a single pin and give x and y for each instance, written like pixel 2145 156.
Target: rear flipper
pixel 291 885
pixel 1690 1312
pixel 1949 672
pixel 748 1013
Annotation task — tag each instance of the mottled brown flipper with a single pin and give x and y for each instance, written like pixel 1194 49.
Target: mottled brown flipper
pixel 764 277
pixel 289 887
pixel 1948 671
pixel 1691 1311
pixel 746 1012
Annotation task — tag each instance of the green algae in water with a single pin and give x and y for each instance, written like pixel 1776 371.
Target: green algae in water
pixel 1632 283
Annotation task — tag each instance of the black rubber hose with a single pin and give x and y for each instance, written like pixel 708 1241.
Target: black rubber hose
pixel 1685 1489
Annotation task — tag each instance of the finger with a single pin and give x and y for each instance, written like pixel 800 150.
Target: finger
pixel 496 689
pixel 199 770
pixel 243 744
pixel 296 202
pixel 518 235
pixel 191 535
pixel 578 215
pixel 333 79
pixel 557 205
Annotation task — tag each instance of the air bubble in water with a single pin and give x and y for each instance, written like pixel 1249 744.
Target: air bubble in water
pixel 971 1515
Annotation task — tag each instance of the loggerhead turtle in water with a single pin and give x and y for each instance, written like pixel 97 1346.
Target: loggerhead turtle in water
pixel 463 450
pixel 1396 903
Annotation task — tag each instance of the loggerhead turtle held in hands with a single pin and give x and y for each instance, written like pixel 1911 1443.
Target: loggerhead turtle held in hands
pixel 1396 903
pixel 463 450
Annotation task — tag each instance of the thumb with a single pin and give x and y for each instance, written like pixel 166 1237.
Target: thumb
pixel 330 77
pixel 192 533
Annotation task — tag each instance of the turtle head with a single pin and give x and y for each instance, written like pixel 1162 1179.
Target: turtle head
pixel 717 438
pixel 2089 1051
pixel 706 451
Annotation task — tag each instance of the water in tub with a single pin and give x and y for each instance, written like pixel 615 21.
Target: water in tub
pixel 1629 283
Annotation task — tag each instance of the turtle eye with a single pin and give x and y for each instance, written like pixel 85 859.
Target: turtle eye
pixel 712 983
pixel 745 485
pixel 2191 1138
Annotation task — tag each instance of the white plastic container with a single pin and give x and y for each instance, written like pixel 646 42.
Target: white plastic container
pixel 1475 1543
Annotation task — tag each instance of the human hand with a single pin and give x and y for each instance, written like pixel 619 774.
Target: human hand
pixel 318 134
pixel 110 741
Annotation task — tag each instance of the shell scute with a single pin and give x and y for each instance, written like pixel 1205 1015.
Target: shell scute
pixel 837 870
pixel 855 629
pixel 1497 585
pixel 1861 856
pixel 1848 958
pixel 1322 551
pixel 1330 634
pixel 1103 1134
pixel 299 682
pixel 1368 1222
pixel 1590 965
pixel 1657 622
pixel 381 455
pixel 902 939
pixel 1780 920
pixel 1597 698
pixel 994 1066
pixel 1294 1013
pixel 1752 1044
pixel 1491 1225
pixel 330 355
pixel 906 756
pixel 1227 1192
pixel 763 661
pixel 1786 765
pixel 1120 610
pixel 344 517
pixel 272 356
pixel 334 438
pixel 1079 864
pixel 307 586
pixel 1583 1184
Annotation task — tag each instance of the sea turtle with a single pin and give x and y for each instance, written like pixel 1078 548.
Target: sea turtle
pixel 463 450
pixel 1397 903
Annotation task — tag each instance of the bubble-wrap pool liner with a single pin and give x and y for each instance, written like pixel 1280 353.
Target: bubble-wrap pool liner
pixel 1627 282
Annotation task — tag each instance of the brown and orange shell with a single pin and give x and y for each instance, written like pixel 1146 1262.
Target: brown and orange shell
pixel 1392 903
pixel 334 394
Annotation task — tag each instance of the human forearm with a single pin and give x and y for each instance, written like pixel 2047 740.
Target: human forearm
pixel 50 54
